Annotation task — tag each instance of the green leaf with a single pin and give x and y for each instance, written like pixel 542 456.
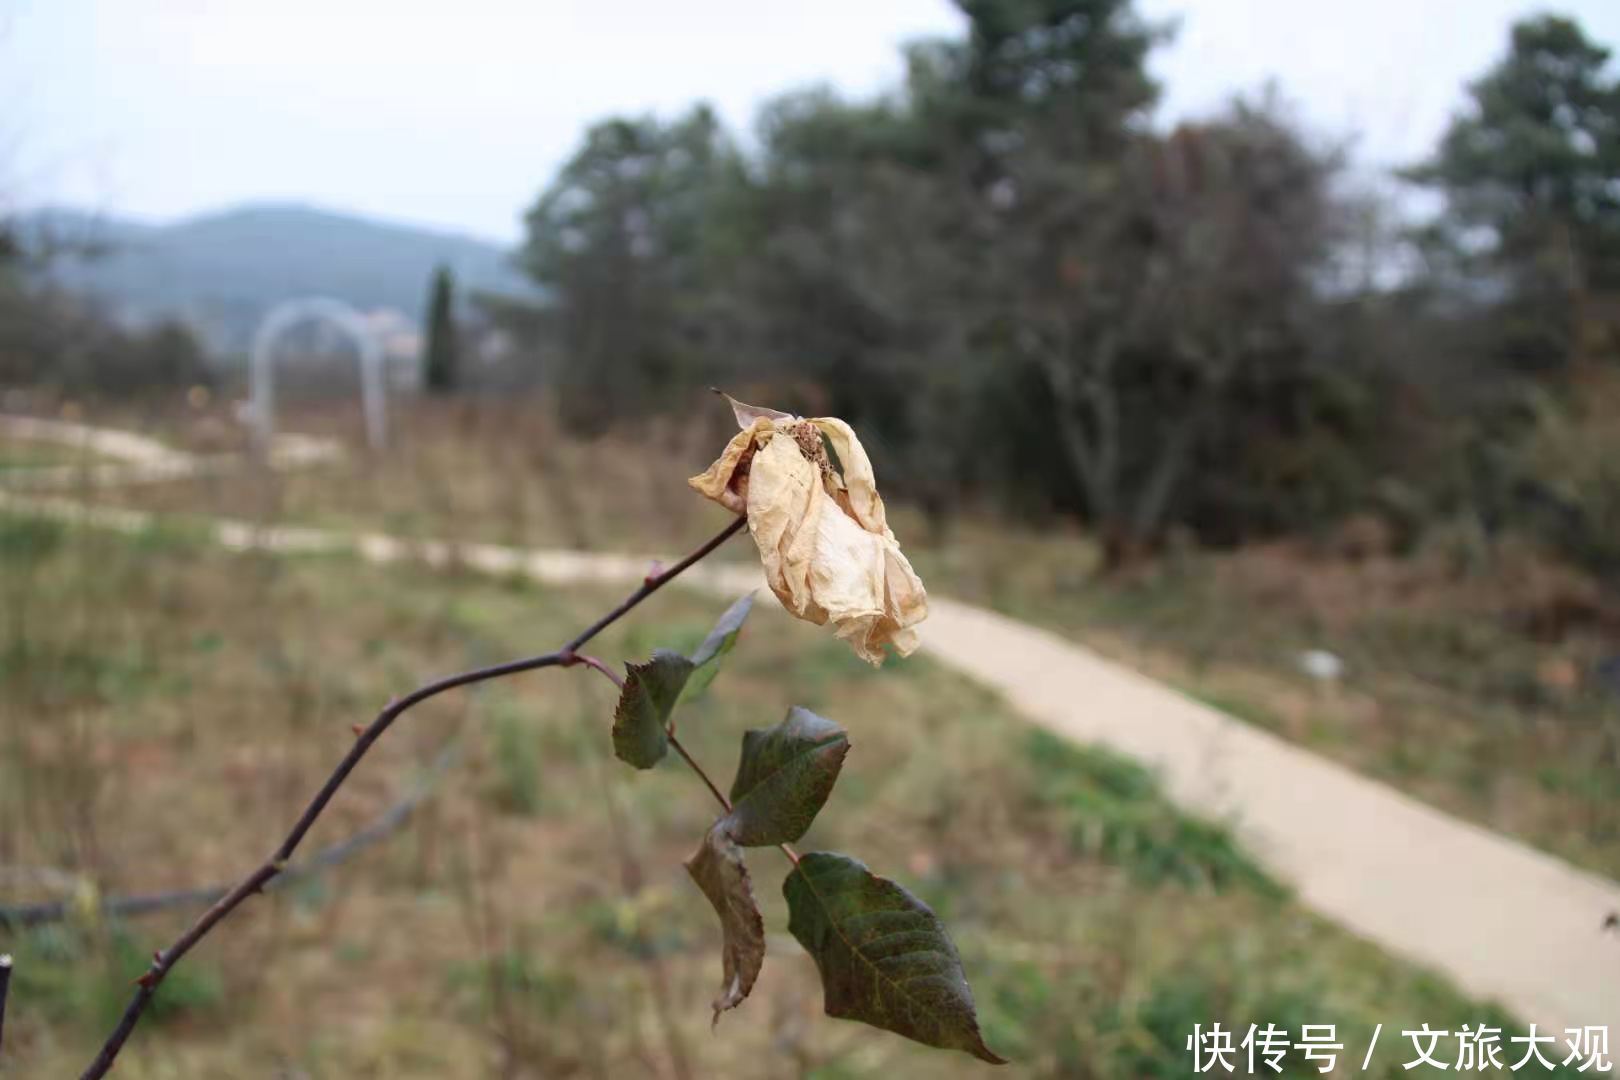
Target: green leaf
pixel 706 660
pixel 719 870
pixel 653 690
pixel 785 776
pixel 649 696
pixel 884 956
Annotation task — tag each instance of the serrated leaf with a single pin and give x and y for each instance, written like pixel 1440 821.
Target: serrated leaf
pixel 884 956
pixel 706 660
pixel 785 775
pixel 649 696
pixel 719 870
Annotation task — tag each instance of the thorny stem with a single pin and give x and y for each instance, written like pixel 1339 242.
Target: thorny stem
pixel 595 664
pixel 792 855
pixel 5 988
pixel 686 755
pixel 653 583
pixel 690 760
pixel 164 961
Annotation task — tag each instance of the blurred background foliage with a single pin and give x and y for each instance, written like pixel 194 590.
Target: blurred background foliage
pixel 1033 300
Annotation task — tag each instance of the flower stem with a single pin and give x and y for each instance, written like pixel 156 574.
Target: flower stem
pixel 690 760
pixel 669 732
pixel 793 856
pixel 5 989
pixel 596 665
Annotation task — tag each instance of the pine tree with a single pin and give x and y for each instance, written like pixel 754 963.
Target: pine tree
pixel 1533 158
pixel 1528 172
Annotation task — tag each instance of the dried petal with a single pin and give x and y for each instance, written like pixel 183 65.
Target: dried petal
pixel 860 484
pixel 785 500
pixel 821 529
pixel 747 414
pixel 865 584
pixel 726 481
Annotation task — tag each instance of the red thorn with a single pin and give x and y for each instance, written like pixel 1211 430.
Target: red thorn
pixel 157 956
pixel 357 729
pixel 146 981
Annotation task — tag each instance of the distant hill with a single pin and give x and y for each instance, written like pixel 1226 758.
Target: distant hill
pixel 221 272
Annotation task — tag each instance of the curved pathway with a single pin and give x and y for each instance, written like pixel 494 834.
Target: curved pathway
pixel 1502 920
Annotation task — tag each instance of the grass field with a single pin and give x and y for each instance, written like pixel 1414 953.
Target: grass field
pixel 18 453
pixel 1470 671
pixel 166 708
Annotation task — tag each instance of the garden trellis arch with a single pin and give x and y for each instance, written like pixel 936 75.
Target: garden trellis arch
pixel 284 317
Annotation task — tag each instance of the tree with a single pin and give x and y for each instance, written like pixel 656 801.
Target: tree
pixel 441 364
pixel 998 270
pixel 1081 62
pixel 854 256
pixel 1136 299
pixel 626 243
pixel 11 252
pixel 878 231
pixel 69 345
pixel 1528 172
pixel 1163 301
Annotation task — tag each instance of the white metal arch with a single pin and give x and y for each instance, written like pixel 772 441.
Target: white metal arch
pixel 284 317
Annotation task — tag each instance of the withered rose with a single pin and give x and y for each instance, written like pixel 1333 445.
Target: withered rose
pixel 812 505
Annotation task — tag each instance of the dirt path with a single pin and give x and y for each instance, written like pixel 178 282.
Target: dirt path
pixel 1502 920
pixel 136 459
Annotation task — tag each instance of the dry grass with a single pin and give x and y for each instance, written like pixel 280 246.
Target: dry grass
pixel 1472 671
pixel 167 707
pixel 18 453
pixel 483 470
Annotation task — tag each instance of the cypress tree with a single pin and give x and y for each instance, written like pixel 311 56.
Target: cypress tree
pixel 439 371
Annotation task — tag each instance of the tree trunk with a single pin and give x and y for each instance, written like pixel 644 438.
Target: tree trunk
pixel 1092 457
pixel 1122 548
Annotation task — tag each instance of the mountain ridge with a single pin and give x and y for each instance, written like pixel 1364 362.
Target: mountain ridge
pixel 221 271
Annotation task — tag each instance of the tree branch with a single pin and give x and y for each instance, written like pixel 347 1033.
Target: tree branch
pixel 163 962
pixel 1092 453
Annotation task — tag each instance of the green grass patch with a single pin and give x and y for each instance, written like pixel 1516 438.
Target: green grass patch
pixel 1115 812
pixel 85 978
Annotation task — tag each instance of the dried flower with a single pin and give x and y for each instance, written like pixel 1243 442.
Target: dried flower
pixel 812 504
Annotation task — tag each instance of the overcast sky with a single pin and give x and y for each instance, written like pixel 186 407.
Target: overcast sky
pixel 455 114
